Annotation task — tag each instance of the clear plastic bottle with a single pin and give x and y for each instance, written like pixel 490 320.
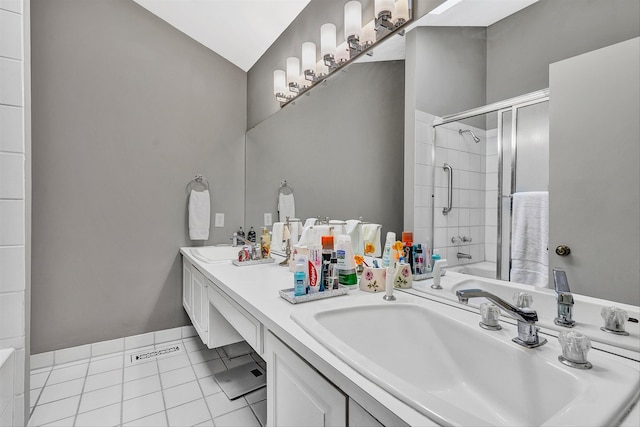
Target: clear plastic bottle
pixel 346 264
pixel 300 280
pixel 435 257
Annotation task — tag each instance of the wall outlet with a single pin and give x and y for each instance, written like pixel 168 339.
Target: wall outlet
pixel 219 220
pixel 267 219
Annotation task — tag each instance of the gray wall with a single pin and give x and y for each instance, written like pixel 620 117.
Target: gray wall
pixel 521 47
pixel 126 110
pixel 341 149
pixel 450 69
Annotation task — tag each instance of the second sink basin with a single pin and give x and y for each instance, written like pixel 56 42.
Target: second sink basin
pixel 436 359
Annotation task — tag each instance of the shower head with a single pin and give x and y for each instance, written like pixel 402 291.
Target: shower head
pixel 475 138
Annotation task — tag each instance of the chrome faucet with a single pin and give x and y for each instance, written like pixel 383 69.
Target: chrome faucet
pixel 463 255
pixel 526 317
pixel 564 298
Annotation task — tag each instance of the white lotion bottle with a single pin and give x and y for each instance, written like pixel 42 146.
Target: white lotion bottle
pixel 386 253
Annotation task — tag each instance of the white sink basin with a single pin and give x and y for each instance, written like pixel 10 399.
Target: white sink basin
pixel 436 359
pixel 586 310
pixel 214 254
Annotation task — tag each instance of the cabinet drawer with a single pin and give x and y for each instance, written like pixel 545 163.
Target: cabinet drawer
pixel 247 325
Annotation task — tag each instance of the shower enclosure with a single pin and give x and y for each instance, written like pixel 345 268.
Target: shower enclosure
pixel 481 158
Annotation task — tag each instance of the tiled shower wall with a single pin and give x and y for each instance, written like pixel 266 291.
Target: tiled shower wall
pixel 475 183
pixel 12 195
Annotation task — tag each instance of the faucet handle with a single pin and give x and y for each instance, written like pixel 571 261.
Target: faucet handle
pixel 574 349
pixel 523 300
pixel 490 314
pixel 614 320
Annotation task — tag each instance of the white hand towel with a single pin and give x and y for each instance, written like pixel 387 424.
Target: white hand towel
pixel 286 206
pixel 371 234
pixel 353 230
pixel 199 215
pixel 530 238
pixel 295 229
pixel 276 236
pixel 309 222
pixel 313 235
pixel 338 227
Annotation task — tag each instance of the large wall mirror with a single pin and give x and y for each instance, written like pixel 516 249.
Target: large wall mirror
pixel 362 145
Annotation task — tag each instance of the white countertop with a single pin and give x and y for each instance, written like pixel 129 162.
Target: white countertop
pixel 256 289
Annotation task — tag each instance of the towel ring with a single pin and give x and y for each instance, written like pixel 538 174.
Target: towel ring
pixel 199 179
pixel 285 188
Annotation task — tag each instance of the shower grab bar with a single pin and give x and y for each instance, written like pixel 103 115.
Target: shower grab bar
pixel 447 168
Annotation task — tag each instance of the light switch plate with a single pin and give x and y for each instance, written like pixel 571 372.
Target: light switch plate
pixel 268 221
pixel 219 220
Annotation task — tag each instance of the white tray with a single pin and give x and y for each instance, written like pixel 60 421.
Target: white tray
pixel 253 262
pixel 288 294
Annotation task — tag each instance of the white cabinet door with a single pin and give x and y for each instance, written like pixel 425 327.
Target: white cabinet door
pixel 200 304
pixel 594 187
pixel 187 288
pixel 296 393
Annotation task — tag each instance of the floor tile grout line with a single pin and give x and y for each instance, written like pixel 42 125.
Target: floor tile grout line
pixel 124 363
pixel 164 403
pixel 84 383
pixel 201 389
pixel 39 395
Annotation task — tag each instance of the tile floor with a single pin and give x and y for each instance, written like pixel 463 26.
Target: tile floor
pixel 171 390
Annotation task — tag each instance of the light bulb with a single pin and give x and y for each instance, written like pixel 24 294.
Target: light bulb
pixel 401 10
pixel 293 70
pixel 279 82
pixel 383 5
pixel 352 19
pixel 309 56
pixel 328 40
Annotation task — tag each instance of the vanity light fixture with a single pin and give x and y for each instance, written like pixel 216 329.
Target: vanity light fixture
pixel 353 26
pixel 293 74
pixel 390 17
pixel 309 61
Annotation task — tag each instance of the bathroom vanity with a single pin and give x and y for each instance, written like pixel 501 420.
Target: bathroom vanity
pixel 359 360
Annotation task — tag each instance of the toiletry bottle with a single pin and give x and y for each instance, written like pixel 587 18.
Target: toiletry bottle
pixel 314 262
pixel 346 264
pixel 241 234
pixel 234 239
pixel 327 249
pixel 407 244
pixel 265 242
pixel 386 253
pixel 435 257
pixel 334 273
pixel 251 236
pixel 300 280
pixel 418 267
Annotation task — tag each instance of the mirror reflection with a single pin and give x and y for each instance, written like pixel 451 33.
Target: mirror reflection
pixel 363 145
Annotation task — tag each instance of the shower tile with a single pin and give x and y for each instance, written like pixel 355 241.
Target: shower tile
pixel 176 377
pixel 140 371
pixel 167 335
pixel 11 308
pixel 453 158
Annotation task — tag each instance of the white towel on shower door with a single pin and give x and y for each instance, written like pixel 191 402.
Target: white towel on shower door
pixel 199 215
pixel 530 238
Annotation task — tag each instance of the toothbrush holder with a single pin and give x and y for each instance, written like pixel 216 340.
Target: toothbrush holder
pixel 373 279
